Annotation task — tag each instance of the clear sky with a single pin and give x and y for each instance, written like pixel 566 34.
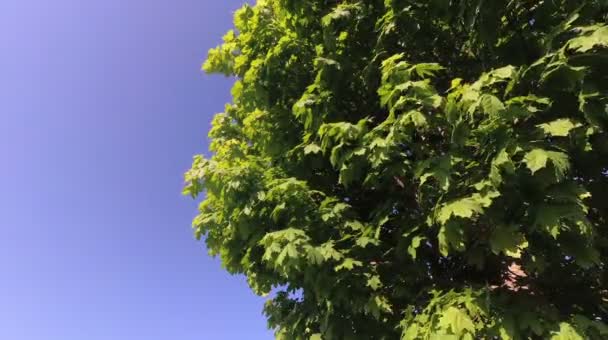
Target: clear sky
pixel 102 106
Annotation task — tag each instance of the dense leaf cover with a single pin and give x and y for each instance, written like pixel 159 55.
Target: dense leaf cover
pixel 414 169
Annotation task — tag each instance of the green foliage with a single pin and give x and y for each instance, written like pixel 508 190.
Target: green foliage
pixel 414 169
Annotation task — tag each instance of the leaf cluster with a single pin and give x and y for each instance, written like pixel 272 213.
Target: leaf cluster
pixel 385 164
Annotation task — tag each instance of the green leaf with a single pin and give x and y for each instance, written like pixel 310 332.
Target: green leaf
pixel 537 160
pixel 354 225
pixel 566 332
pixel 508 240
pixel 451 235
pixel 315 256
pixel 312 148
pixel 374 282
pixel 444 244
pixel 457 320
pixel 443 336
pixel 289 251
pixel 460 133
pixel 411 332
pixel 491 104
pixel 559 128
pixel 465 208
pixel 548 218
pixel 507 329
pixel 598 38
pixel 417 118
pixel 563 76
pixel 440 171
pixel 348 264
pixel 425 70
pixel 416 241
pixel 278 212
pixel 364 241
pixel 501 163
pixel 329 253
pixel 499 75
pixel 379 304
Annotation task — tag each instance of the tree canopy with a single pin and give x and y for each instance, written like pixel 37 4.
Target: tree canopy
pixel 396 169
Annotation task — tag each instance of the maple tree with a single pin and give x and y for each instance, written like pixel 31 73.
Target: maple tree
pixel 414 169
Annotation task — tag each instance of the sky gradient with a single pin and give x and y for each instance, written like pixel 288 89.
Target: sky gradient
pixel 102 106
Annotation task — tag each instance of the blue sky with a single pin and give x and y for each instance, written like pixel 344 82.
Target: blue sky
pixel 102 106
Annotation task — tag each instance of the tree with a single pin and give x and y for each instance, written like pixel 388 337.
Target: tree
pixel 414 169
